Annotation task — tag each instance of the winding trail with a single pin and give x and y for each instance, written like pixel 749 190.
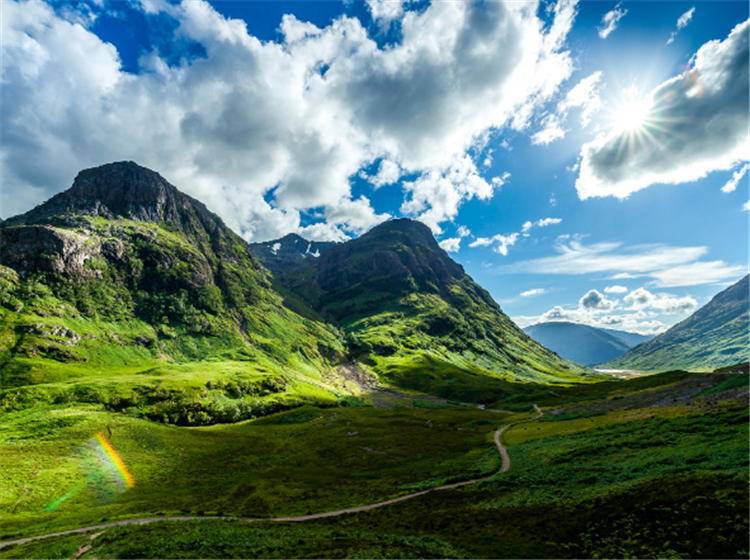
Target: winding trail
pixel 504 468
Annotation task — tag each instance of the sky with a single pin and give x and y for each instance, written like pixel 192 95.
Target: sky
pixel 584 161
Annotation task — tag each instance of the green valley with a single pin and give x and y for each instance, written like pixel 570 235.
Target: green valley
pixel 175 392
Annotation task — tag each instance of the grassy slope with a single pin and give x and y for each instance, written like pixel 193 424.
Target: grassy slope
pixel 617 475
pixel 414 316
pixel 62 336
pixel 716 335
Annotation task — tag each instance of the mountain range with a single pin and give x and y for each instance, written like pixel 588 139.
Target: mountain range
pixel 584 344
pixel 125 272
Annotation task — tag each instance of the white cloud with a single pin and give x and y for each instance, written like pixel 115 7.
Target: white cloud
pixel 736 178
pixel 452 245
pixel 463 231
pixel 290 122
pixel 610 21
pixel 697 123
pixel 540 223
pixel 682 22
pixel 746 206
pixel 548 222
pixel 615 290
pixel 385 11
pixel 643 299
pixel 693 274
pixel 355 216
pixel 668 266
pixel 552 130
pixel 388 173
pixel 585 95
pixel 501 242
pixel 639 322
pixel 534 292
pixel 593 300
pixel 685 18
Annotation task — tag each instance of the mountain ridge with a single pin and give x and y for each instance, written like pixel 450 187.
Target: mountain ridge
pixel 715 336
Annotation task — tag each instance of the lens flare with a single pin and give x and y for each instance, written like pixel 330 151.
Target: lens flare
pixel 103 471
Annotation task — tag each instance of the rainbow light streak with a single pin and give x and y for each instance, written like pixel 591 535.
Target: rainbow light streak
pixel 52 506
pixel 111 452
pixel 101 458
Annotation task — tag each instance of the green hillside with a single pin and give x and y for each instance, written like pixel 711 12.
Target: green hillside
pixel 126 275
pixel 716 335
pixel 411 313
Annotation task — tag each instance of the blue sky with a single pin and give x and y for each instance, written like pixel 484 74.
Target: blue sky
pixel 583 161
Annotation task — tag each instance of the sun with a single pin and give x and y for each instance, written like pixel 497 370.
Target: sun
pixel 632 115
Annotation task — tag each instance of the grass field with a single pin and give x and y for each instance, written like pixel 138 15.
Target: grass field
pixel 651 467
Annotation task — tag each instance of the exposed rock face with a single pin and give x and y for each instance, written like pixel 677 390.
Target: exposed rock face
pixel 47 249
pixel 124 190
pixel 398 252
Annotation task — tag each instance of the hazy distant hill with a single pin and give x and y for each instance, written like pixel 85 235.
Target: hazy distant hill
pixel 630 338
pixel 583 344
pixel 716 335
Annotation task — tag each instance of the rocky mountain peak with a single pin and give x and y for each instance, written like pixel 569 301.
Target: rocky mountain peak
pixel 119 190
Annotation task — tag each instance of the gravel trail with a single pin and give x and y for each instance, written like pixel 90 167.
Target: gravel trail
pixel 504 468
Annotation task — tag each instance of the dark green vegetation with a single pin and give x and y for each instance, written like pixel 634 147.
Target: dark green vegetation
pixel 716 335
pixel 582 344
pixel 415 317
pixel 653 467
pixel 127 293
pixel 110 290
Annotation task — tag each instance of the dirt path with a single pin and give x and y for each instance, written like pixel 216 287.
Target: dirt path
pixel 504 468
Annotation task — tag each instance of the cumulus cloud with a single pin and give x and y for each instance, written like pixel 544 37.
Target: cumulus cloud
pixel 682 22
pixel 643 299
pixel 385 11
pixel 615 290
pixel 388 173
pixel 697 123
pixel 463 231
pixel 262 131
pixel 746 206
pixel 452 244
pixel 595 300
pixel 534 292
pixel 736 178
pixel 610 20
pixel 668 266
pixel 640 321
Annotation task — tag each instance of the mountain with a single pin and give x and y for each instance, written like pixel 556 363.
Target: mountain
pixel 629 338
pixel 123 270
pixel 126 292
pixel 716 335
pixel 412 314
pixel 582 344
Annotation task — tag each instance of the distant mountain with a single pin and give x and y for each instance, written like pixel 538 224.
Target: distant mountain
pixel 630 338
pixel 125 269
pixel 282 254
pixel 414 315
pixel 582 344
pixel 716 335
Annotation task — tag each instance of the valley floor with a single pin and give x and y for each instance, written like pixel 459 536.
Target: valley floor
pixel 650 467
